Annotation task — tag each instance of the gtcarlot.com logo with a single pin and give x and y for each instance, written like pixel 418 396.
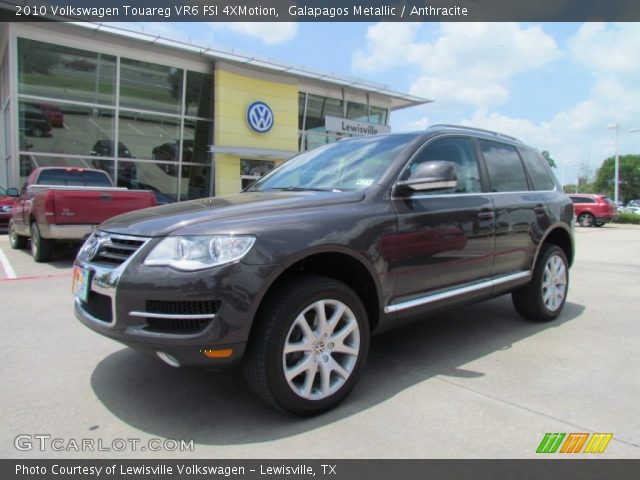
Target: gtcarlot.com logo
pixel 574 443
pixel 44 442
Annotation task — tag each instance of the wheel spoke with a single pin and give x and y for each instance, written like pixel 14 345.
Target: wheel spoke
pixel 321 317
pixel 336 367
pixel 309 380
pixel 307 332
pixel 303 365
pixel 339 337
pixel 335 317
pixel 325 379
pixel 304 346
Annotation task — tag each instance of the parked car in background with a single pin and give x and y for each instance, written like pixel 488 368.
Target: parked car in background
pixel 53 114
pixel 104 148
pixel 7 199
pixel 65 203
pixel 292 276
pixel 32 121
pixel 169 151
pixel 593 209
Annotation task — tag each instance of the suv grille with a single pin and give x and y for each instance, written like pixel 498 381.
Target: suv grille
pixel 180 325
pixel 116 249
pixel 99 306
pixel 205 307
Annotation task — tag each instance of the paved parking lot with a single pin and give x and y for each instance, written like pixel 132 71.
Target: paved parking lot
pixel 478 382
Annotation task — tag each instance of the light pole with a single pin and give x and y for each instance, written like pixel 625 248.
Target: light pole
pixel 616 175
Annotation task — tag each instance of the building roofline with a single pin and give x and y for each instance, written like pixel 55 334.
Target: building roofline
pixel 398 100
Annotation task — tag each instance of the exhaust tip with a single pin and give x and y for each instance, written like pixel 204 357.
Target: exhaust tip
pixel 168 359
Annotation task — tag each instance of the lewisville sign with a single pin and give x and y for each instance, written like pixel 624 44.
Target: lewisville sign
pixel 344 125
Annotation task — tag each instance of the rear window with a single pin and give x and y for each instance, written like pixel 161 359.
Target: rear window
pixel 582 200
pixel 538 171
pixel 78 178
pixel 608 200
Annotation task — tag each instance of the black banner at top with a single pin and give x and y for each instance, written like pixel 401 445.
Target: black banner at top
pixel 319 10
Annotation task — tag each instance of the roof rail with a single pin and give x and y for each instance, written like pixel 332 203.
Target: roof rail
pixel 481 130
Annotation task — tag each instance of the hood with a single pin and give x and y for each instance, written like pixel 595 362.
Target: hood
pixel 216 213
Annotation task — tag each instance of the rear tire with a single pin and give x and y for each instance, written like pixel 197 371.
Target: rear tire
pixel 17 242
pixel 309 344
pixel 543 298
pixel 599 225
pixel 586 220
pixel 41 248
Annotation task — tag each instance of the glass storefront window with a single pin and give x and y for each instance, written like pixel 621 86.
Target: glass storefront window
pixel 49 70
pixel 318 107
pixel 49 127
pixel 378 115
pixel 196 140
pixel 149 86
pixel 195 182
pixel 198 101
pixel 148 136
pixel 161 179
pixel 357 111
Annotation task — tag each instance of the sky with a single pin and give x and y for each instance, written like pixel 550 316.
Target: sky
pixel 556 86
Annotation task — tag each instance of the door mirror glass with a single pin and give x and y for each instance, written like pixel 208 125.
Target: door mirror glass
pixel 13 192
pixel 430 176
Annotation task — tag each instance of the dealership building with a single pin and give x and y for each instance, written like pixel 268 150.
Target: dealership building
pixel 182 120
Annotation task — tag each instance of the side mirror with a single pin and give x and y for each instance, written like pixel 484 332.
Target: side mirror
pixel 13 192
pixel 430 176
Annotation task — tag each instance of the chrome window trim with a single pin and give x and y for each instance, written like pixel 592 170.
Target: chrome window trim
pixel 434 297
pixel 445 195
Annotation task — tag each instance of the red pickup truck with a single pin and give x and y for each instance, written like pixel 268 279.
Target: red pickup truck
pixel 64 203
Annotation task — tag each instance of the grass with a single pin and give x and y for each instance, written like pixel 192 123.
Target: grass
pixel 627 217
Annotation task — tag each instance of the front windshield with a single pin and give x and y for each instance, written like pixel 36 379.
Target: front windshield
pixel 353 164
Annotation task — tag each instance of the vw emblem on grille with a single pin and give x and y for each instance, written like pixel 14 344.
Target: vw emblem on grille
pixel 260 117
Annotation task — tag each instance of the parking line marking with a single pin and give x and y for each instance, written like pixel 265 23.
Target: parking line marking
pixel 93 122
pixel 6 265
pixel 35 277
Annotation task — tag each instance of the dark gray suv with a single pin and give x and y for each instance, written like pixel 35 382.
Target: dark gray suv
pixel 293 275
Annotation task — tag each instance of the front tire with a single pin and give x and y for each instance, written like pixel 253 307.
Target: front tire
pixel 41 248
pixel 17 242
pixel 543 298
pixel 309 345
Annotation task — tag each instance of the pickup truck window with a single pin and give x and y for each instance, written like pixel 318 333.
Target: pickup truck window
pixel 353 164
pixel 79 178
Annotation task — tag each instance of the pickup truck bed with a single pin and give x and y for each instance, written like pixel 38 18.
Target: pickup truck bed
pixel 69 209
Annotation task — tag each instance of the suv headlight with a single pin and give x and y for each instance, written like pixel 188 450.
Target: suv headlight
pixel 198 253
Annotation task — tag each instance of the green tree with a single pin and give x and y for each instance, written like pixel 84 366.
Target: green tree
pixel 547 157
pixel 629 175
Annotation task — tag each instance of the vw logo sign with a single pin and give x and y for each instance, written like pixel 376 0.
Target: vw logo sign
pixel 260 117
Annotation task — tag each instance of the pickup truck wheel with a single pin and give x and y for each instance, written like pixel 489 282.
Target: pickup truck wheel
pixel 543 298
pixel 586 220
pixel 309 345
pixel 17 242
pixel 41 248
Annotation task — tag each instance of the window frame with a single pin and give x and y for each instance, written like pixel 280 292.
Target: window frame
pixel 488 176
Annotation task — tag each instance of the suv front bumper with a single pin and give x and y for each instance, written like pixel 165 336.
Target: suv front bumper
pixel 175 315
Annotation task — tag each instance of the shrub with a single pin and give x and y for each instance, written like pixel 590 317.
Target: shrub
pixel 628 217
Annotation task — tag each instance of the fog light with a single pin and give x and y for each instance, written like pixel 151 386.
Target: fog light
pixel 222 353
pixel 168 359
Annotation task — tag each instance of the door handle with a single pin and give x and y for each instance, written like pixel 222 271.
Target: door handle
pixel 486 215
pixel 105 197
pixel 540 208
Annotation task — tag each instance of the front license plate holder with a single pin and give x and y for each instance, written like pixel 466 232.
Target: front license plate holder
pixel 81 283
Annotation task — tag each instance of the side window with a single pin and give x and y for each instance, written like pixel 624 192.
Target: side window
pixel 506 173
pixel 540 175
pixel 457 150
